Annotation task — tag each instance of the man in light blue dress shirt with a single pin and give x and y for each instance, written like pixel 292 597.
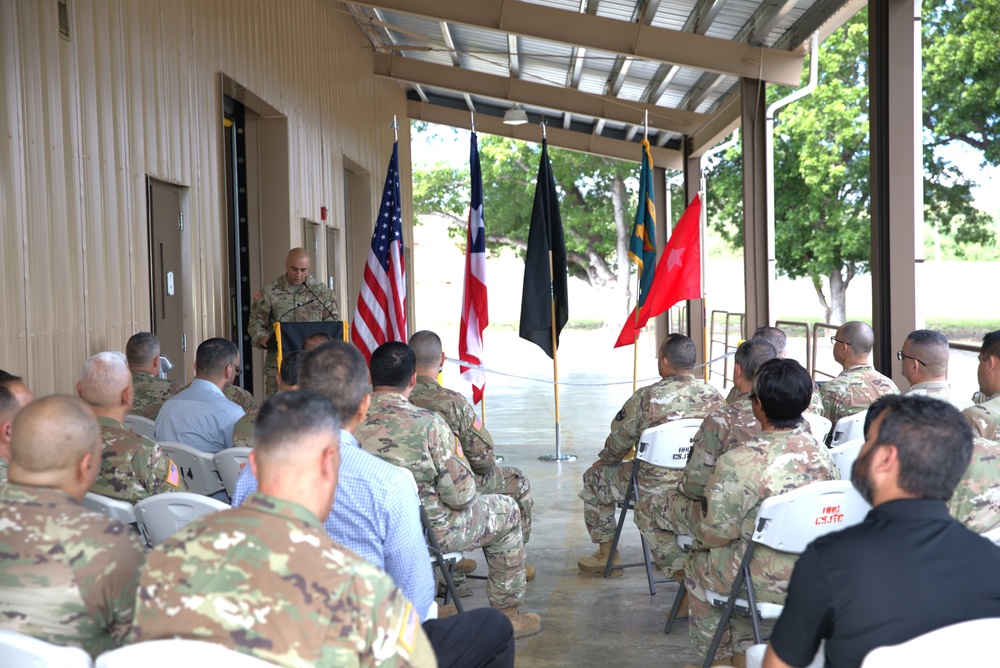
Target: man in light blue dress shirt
pixel 201 415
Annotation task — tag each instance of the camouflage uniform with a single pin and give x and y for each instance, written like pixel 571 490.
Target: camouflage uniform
pixel 133 467
pixel 772 463
pixel 150 392
pixel 853 391
pixel 419 440
pixel 477 445
pixel 243 431
pixel 724 429
pixel 68 576
pixel 277 300
pixel 264 579
pixel 672 398
pixel 984 418
pixel 4 465
pixel 976 501
pixel 815 402
pixel 939 389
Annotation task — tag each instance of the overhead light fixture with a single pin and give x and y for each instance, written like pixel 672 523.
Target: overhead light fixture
pixel 515 116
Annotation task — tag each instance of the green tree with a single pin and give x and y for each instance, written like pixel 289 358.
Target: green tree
pixel 821 174
pixel 596 198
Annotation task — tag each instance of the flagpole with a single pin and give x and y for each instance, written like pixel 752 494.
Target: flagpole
pixel 559 456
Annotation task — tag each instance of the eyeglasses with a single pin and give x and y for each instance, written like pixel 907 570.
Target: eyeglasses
pixel 834 340
pixel 237 370
pixel 900 356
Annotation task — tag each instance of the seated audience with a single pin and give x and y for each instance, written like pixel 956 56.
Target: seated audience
pixel 264 579
pixel 288 379
pixel 14 395
pixel 859 384
pixel 200 415
pixel 784 456
pixel 984 417
pixel 68 576
pixel 910 567
pixel 133 467
pixel 677 395
pixel 376 515
pixel 419 440
pixel 924 358
pixel 143 353
pixel 472 435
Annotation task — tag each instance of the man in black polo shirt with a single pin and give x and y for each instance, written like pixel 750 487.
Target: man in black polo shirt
pixel 909 568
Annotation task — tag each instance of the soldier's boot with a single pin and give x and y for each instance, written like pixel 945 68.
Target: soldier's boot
pixel 466 565
pixel 596 562
pixel 682 612
pixel 529 572
pixel 525 623
pixel 739 660
pixel 462 589
pixel 447 610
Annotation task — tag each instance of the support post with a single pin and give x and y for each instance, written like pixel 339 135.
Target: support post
pixel 896 176
pixel 696 307
pixel 755 243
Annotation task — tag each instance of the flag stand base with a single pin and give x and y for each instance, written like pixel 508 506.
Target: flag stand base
pixel 559 456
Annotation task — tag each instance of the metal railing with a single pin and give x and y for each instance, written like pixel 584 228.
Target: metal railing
pixel 805 328
pixel 816 327
pixel 727 346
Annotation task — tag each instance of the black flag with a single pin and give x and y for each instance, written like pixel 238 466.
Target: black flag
pixel 541 287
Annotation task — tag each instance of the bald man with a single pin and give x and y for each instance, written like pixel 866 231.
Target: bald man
pixel 14 395
pixel 859 384
pixel 925 366
pixel 133 467
pixel 292 297
pixel 67 575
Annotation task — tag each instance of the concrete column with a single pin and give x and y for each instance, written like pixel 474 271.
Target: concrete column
pixel 896 175
pixel 756 285
pixel 696 307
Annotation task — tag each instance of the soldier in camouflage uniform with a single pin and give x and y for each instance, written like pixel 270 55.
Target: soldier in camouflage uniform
pixel 288 379
pixel 265 579
pixel 782 457
pixel 133 467
pixel 293 297
pixel 724 429
pixel 777 338
pixel 677 396
pixel 984 417
pixel 476 441
pixel 143 354
pixel 68 576
pixel 14 395
pixel 858 385
pixel 924 358
pixel 420 440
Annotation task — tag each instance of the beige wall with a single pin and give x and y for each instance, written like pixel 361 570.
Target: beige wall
pixel 136 92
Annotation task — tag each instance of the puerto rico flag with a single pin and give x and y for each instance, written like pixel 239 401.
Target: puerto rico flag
pixel 475 316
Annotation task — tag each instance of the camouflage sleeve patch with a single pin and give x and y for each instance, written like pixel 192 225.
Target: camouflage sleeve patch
pixel 620 416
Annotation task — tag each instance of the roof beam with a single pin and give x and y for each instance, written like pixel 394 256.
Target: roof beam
pixel 534 94
pixel 726 119
pixel 574 141
pixel 514 65
pixel 610 35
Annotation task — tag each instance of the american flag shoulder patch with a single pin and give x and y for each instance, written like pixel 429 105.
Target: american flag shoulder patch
pixel 477 424
pixel 173 474
pixel 408 629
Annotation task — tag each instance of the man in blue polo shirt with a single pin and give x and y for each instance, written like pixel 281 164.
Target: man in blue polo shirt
pixel 909 568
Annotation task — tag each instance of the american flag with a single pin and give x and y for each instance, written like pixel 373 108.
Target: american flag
pixel 475 315
pixel 381 312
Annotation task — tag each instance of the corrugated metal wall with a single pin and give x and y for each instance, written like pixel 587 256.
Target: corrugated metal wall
pixel 136 92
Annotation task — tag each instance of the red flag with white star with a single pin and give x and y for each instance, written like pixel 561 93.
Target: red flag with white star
pixel 678 273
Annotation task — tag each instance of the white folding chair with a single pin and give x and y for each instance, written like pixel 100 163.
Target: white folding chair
pixel 197 467
pixel 684 542
pixel 755 656
pixel 116 509
pixel 844 455
pixel 163 514
pixel 849 428
pixel 965 644
pixel 18 650
pixel 178 652
pixel 993 535
pixel 666 446
pixel 140 425
pixel 229 463
pixel 786 523
pixel 818 425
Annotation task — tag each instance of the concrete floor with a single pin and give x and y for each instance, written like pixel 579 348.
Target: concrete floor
pixel 586 620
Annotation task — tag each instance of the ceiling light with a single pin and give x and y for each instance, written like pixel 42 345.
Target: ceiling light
pixel 515 116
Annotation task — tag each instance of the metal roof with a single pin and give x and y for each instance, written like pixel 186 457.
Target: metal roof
pixel 592 69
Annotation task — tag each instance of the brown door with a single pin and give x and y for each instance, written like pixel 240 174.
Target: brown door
pixel 165 226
